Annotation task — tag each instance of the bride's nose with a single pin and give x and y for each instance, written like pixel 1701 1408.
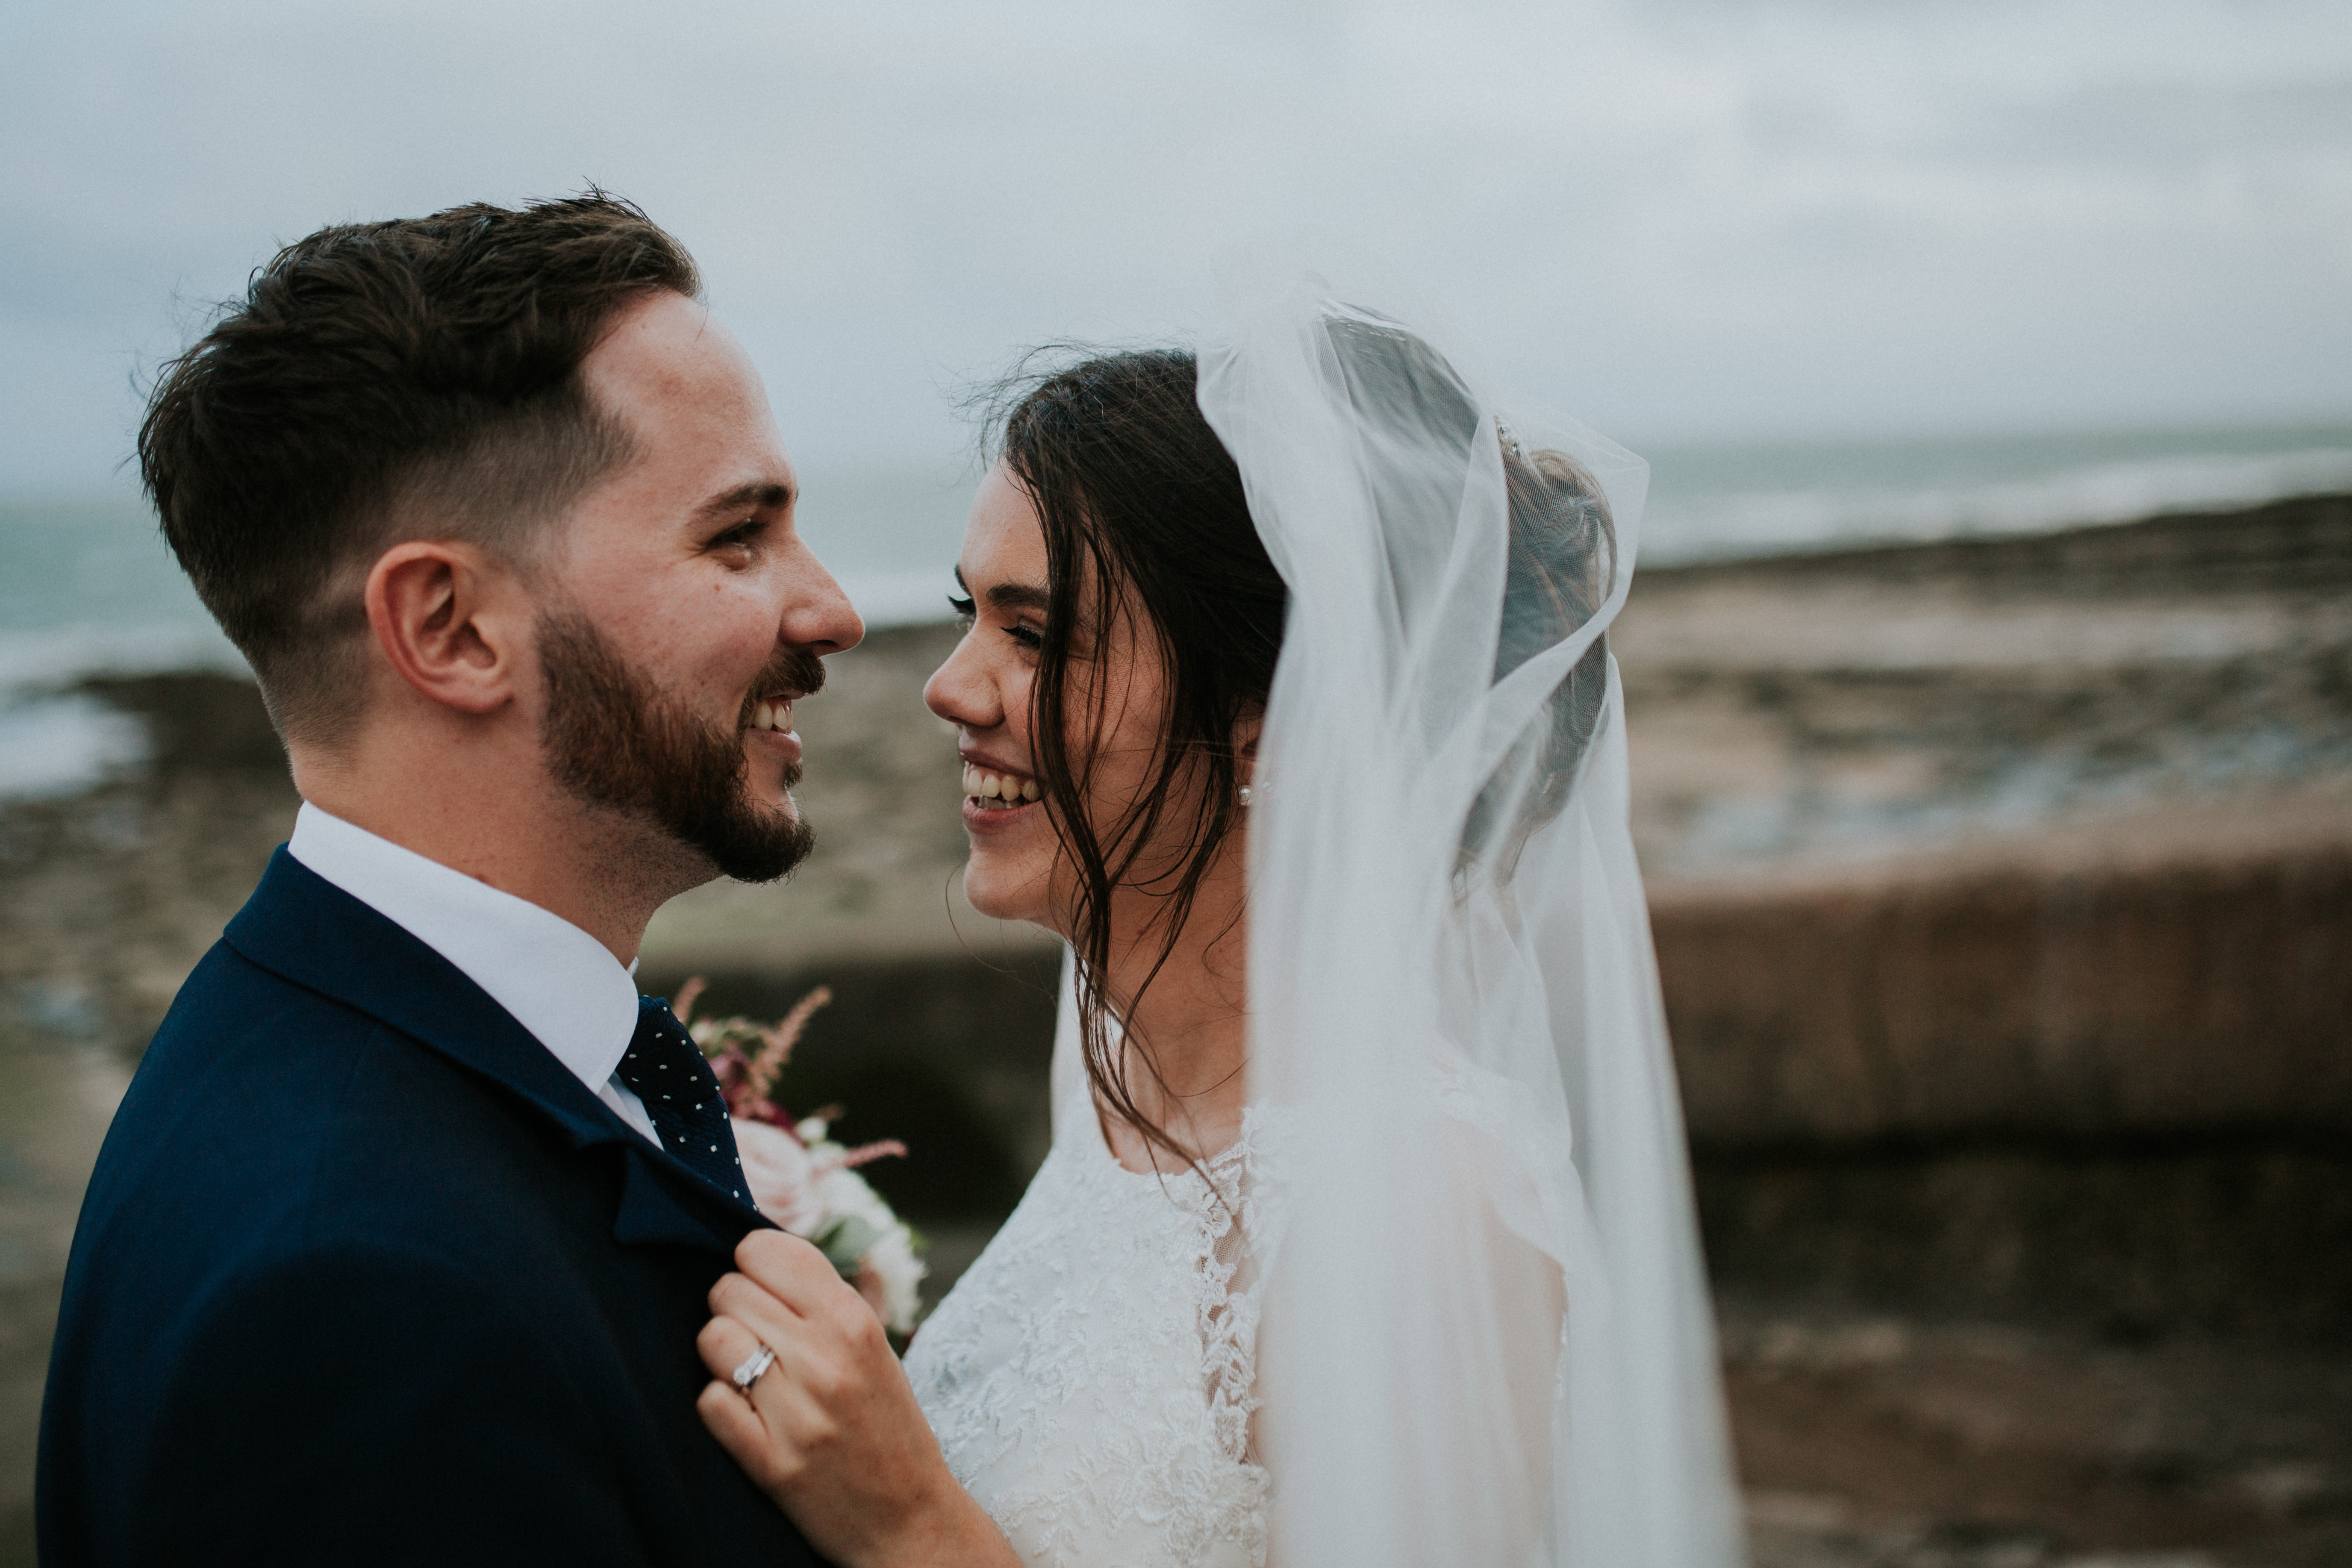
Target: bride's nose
pixel 962 692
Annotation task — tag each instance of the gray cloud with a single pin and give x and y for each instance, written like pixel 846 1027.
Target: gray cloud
pixel 1675 219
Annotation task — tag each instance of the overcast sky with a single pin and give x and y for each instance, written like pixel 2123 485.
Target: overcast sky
pixel 1675 220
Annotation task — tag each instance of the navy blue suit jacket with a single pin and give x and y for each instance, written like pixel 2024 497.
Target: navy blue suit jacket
pixel 364 1275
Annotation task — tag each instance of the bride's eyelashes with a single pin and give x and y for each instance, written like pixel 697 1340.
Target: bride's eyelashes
pixel 967 611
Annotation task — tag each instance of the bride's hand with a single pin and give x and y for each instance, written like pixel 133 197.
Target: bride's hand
pixel 831 1431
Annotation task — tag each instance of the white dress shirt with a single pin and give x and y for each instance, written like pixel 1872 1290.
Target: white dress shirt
pixel 559 982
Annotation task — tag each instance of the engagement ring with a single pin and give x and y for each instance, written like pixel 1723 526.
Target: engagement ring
pixel 758 1362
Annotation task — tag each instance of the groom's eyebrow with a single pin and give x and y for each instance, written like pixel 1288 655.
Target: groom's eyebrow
pixel 767 495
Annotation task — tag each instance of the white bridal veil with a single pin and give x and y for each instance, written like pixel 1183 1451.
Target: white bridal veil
pixel 1455 1007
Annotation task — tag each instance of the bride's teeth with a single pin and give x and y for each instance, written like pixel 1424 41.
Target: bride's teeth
pixel 1000 787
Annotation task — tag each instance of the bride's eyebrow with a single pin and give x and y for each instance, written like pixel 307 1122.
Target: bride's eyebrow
pixel 1018 596
pixel 1009 595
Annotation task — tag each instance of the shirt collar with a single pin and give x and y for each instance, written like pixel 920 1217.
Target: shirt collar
pixel 558 981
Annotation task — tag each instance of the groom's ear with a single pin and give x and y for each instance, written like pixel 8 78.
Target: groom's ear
pixel 452 621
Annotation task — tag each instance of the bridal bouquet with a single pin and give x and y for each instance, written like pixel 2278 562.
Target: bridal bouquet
pixel 799 1177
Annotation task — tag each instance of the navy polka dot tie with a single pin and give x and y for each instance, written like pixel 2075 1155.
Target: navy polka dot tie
pixel 665 1069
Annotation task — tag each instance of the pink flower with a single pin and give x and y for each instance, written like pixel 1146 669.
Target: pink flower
pixel 782 1176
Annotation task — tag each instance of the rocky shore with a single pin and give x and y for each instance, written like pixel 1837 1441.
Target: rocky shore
pixel 2003 892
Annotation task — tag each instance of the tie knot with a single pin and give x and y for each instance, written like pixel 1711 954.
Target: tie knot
pixel 656 1023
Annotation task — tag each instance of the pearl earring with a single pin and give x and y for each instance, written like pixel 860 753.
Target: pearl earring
pixel 1245 795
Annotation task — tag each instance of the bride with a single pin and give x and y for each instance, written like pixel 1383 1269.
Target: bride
pixel 1366 1236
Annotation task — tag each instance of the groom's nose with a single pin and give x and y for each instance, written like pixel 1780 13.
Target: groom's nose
pixel 818 617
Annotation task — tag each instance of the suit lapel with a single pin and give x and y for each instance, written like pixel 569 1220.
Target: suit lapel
pixel 663 1203
pixel 302 928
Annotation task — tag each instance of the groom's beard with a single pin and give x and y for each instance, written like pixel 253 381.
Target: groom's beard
pixel 613 741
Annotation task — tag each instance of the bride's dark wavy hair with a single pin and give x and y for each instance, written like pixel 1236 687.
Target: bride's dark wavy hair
pixel 1137 496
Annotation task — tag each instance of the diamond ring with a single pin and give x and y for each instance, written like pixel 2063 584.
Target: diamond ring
pixel 754 1364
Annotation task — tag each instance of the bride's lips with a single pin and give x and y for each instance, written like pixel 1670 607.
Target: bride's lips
pixel 995 796
pixel 770 724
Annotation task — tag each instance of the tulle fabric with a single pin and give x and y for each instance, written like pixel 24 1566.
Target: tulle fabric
pixel 1454 1000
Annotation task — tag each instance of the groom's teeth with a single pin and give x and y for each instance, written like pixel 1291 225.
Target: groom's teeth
pixel 763 717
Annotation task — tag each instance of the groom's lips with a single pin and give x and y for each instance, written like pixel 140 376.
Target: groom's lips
pixel 773 711
pixel 770 718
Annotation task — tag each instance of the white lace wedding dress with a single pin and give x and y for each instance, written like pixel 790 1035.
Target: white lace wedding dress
pixel 1092 1376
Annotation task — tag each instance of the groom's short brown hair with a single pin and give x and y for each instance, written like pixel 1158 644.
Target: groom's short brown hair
pixel 382 381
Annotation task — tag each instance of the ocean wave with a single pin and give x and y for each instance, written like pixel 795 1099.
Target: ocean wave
pixel 56 741
pixel 1732 524
pixel 34 662
pixel 61 746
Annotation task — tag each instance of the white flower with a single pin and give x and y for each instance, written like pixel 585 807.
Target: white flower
pixel 782 1176
pixel 901 1273
pixel 891 1252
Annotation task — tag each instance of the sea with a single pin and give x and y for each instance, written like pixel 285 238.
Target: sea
pixel 86 586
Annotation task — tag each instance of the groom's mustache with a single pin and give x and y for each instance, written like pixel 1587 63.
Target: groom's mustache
pixel 791 670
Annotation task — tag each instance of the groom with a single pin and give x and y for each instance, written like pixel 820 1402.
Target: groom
pixel 399 1244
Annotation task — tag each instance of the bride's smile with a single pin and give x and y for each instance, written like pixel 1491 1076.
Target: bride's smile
pixel 992 788
pixel 997 800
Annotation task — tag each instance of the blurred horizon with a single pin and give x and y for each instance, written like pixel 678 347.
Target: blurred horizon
pixel 93 561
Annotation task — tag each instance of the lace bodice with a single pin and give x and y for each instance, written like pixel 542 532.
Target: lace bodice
pixel 1092 1375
